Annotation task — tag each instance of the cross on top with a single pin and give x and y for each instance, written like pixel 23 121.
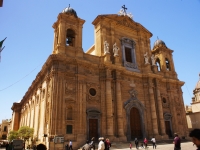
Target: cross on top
pixel 124 8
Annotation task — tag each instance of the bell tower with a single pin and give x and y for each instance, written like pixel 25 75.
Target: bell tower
pixel 164 58
pixel 68 33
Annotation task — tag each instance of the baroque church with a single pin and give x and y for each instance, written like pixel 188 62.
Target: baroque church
pixel 119 88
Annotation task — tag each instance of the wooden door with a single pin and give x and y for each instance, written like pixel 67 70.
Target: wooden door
pixel 93 128
pixel 168 128
pixel 135 124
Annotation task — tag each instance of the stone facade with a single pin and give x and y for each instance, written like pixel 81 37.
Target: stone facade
pixel 193 111
pixel 119 88
pixel 5 127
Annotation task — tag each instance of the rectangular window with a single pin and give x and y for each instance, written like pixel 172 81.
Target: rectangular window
pixel 128 54
pixel 69 129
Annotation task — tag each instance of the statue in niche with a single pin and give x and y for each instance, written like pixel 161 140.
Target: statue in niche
pixel 106 47
pixel 146 58
pixel 115 50
pixel 153 60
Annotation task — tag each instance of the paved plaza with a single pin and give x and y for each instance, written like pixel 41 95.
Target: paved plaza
pixel 122 146
pixel 184 146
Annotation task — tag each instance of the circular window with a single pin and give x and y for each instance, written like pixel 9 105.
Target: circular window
pixel 164 100
pixel 92 92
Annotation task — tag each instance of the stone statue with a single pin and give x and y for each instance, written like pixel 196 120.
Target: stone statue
pixel 121 12
pixel 115 50
pixel 130 15
pixel 106 48
pixel 146 58
pixel 153 60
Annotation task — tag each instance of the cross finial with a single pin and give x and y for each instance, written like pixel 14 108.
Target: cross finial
pixel 69 5
pixel 157 38
pixel 124 8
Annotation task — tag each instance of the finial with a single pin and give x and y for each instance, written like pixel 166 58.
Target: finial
pixel 157 38
pixel 124 8
pixel 69 5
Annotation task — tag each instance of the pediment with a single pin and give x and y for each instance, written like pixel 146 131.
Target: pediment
pixel 122 21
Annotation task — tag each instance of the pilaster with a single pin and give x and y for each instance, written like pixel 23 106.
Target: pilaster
pixel 153 109
pixel 120 129
pixel 109 106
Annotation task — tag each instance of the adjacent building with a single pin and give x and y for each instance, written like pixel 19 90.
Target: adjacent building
pixel 5 128
pixel 120 88
pixel 193 111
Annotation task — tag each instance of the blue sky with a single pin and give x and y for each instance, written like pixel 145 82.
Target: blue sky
pixel 28 28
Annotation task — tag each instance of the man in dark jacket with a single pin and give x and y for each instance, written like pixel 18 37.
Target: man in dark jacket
pixel 177 142
pixel 195 135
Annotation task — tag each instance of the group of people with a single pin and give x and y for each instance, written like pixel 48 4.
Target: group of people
pixel 144 143
pixel 194 134
pixel 103 144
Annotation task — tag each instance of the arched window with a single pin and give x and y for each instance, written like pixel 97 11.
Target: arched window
pixel 70 38
pixel 167 64
pixel 69 113
pixel 158 64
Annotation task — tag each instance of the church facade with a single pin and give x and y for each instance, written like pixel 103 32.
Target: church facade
pixel 193 111
pixel 120 88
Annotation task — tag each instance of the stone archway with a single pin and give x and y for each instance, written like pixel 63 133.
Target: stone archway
pixel 168 124
pixel 135 123
pixel 132 107
pixel 93 123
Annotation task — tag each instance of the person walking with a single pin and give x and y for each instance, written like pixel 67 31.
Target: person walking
pixel 136 143
pixel 107 144
pixel 92 143
pixel 195 135
pixel 66 147
pixel 130 145
pixel 86 146
pixel 145 142
pixel 70 145
pixel 154 142
pixel 177 142
pixel 101 145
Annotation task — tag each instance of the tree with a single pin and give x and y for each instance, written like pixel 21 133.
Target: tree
pixel 13 135
pixel 25 132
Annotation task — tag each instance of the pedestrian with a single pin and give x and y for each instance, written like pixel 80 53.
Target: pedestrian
pixel 66 147
pixel 130 145
pixel 195 135
pixel 145 142
pixel 70 145
pixel 92 143
pixel 107 144
pixel 41 147
pixel 10 147
pixel 177 142
pixel 101 145
pixel 154 142
pixel 86 146
pixel 136 143
pixel 7 146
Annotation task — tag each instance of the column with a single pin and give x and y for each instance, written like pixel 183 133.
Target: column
pixel 153 109
pixel 109 107
pixel 160 109
pixel 119 109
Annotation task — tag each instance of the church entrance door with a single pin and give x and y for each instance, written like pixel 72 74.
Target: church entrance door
pixel 93 128
pixel 168 128
pixel 135 123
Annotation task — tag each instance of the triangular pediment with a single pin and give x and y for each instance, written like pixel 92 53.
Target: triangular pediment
pixel 122 21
